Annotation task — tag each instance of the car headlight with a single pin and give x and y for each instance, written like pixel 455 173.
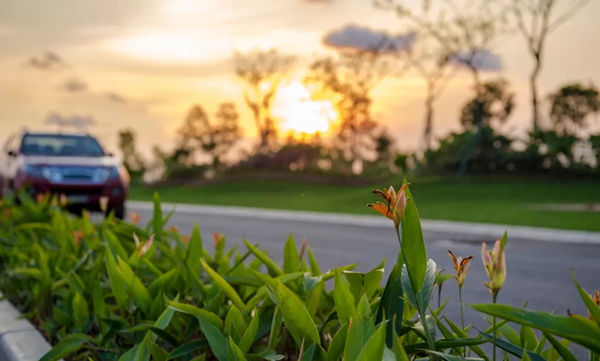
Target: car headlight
pixel 113 173
pixel 33 170
pixel 52 174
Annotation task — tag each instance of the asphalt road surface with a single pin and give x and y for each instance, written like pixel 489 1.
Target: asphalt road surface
pixel 538 272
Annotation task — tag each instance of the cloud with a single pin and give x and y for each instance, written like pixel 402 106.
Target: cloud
pixel 116 97
pixel 47 61
pixel 74 121
pixel 74 85
pixel 480 59
pixel 353 37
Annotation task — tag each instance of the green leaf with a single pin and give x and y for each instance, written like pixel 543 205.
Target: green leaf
pixel 291 259
pixel 250 334
pixel 424 295
pixel 576 329
pixel 187 348
pixel 67 346
pixel 461 333
pixel 413 243
pixel 562 350
pixel 80 311
pixel 295 315
pixel 391 305
pixel 314 265
pixel 217 341
pixel 407 288
pixel 197 312
pixel 157 220
pixel 137 291
pixel 359 330
pixel 513 349
pixel 140 352
pixel 235 352
pixel 271 266
pixel 449 357
pixel 117 284
pixel 589 303
pixel 336 347
pixel 308 354
pixel 234 324
pixel 194 250
pixel 374 347
pixel 528 339
pixel 224 286
pixel 344 301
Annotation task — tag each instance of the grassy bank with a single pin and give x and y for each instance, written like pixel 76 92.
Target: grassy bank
pixel 491 201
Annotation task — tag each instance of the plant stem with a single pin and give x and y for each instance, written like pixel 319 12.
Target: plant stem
pixel 494 296
pixel 430 341
pixel 462 316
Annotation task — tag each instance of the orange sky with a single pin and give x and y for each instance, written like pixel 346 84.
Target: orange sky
pixel 143 63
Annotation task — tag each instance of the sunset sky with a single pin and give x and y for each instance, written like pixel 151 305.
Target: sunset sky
pixel 143 63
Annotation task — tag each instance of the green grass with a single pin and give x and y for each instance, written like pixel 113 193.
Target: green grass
pixel 478 200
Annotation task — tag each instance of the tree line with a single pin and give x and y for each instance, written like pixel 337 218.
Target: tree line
pixel 446 37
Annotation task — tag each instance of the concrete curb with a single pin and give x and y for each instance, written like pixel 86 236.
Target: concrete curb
pixel 19 340
pixel 456 230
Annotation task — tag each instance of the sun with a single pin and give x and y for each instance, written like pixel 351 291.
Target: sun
pixel 298 114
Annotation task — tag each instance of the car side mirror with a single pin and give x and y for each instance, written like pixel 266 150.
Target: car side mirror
pixel 11 153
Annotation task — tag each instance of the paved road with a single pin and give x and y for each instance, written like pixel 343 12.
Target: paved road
pixel 538 272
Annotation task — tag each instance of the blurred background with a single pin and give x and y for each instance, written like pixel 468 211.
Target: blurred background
pixel 480 103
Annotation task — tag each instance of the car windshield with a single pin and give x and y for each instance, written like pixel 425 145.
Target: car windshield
pixel 61 145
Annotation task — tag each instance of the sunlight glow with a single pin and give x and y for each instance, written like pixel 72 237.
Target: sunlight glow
pixel 299 114
pixel 160 46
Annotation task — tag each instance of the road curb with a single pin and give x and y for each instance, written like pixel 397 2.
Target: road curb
pixel 465 231
pixel 19 340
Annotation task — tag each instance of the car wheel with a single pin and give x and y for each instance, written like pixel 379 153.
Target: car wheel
pixel 119 211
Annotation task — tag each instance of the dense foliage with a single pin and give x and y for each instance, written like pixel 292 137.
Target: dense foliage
pixel 111 290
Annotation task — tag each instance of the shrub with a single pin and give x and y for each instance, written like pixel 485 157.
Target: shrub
pixel 113 290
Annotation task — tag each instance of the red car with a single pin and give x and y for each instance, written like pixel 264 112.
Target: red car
pixel 71 166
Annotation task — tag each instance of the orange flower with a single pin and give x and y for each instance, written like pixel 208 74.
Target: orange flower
pixel 135 218
pixel 77 236
pixel 174 229
pixel 394 205
pixel 494 263
pixel 461 265
pixel 142 247
pixel 302 248
pixel 186 238
pixel 39 198
pixel 217 238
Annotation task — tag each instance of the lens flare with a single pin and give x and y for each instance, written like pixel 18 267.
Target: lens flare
pixel 298 114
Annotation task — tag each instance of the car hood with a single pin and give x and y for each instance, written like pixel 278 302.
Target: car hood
pixel 71 161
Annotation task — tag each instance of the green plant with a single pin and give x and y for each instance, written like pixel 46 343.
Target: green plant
pixel 111 290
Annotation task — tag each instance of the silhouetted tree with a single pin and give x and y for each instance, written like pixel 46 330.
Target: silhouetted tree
pixel 262 72
pixel 348 80
pixel 491 103
pixel 449 34
pixel 571 105
pixel 211 138
pixel 535 20
pixel 132 160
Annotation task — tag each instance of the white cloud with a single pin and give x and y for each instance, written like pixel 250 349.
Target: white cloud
pixel 353 37
pixel 480 59
pixel 73 121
